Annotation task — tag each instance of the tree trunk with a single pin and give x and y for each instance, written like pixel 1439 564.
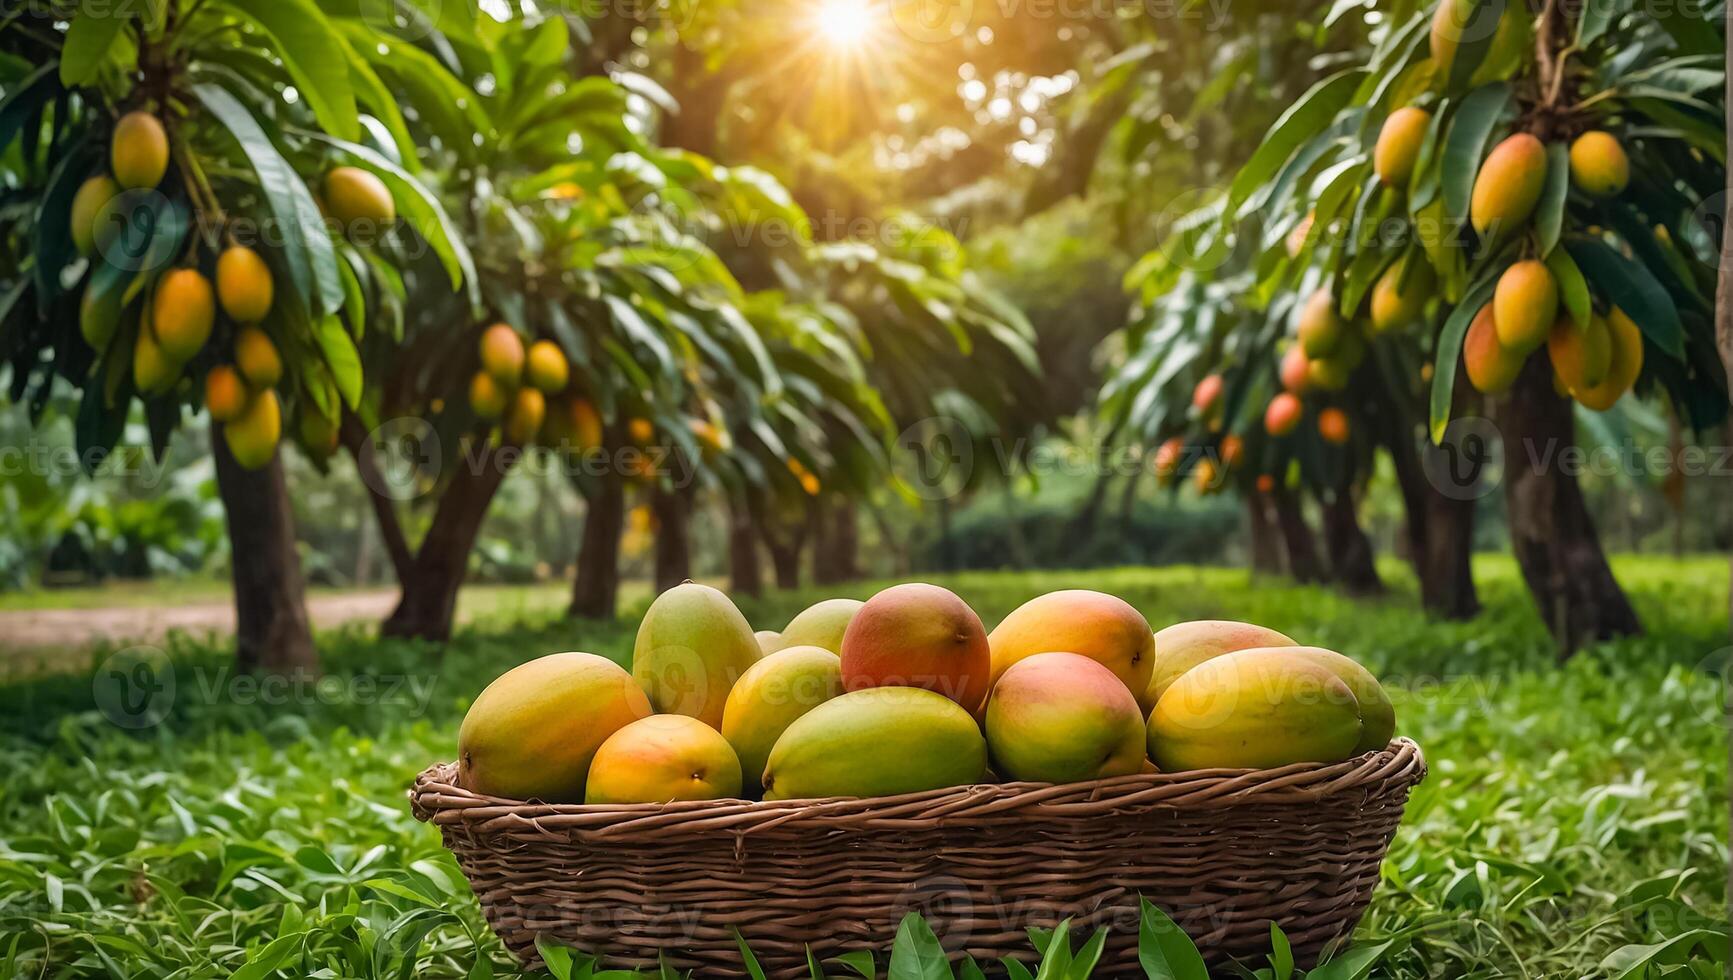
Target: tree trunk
pixel 428 606
pixel 1351 561
pixel 271 631
pixel 1438 527
pixel 784 552
pixel 673 510
pixel 745 570
pixel 596 589
pixel 1297 540
pixel 1550 528
pixel 1264 547
pixel 836 549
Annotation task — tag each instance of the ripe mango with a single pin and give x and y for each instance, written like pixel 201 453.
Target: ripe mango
pixel 257 358
pixel 533 732
pixel 1254 709
pixel 1398 145
pixel 89 230
pixel 1524 306
pixel 692 646
pixel 1580 358
pixel 1333 426
pixel 1182 646
pixel 917 635
pixel 1377 714
pixel 770 696
pixel 182 313
pixel 502 354
pixel 354 195
pixel 254 434
pixel 821 624
pixel 528 408
pixel 1627 364
pixel 881 741
pixel 1320 329
pixel 1102 627
pixel 769 641
pixel 1063 718
pixel 486 398
pixel 1282 416
pixel 1508 186
pixel 546 367
pixel 663 759
pixel 153 371
pixel 1207 390
pixel 138 151
pixel 1295 370
pixel 1395 306
pixel 244 284
pixel 225 393
pixel 1599 166
pixel 1491 368
pixel 585 424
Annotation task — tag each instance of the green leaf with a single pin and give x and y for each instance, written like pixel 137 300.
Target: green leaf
pixel 1083 964
pixel 861 961
pixel 1281 954
pixel 1596 17
pixel 1466 143
pixel 23 99
pixel 1573 288
pixel 89 38
pixel 340 354
pixel 813 970
pixel 557 959
pixel 1478 30
pixel 1447 355
pixel 265 960
pixel 747 960
pixel 1164 950
pixel 313 53
pixel 1352 965
pixel 1634 960
pixel 916 953
pixel 1300 122
pixel 1549 216
pixel 1631 287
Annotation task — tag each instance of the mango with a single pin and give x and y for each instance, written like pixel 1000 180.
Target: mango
pixel 769 641
pixel 1435 232
pixel 98 315
pixel 1295 372
pixel 1508 186
pixel 153 371
pixel 486 398
pixel 1395 306
pixel 821 624
pixel 138 151
pixel 1599 166
pixel 318 433
pixel 713 437
pixel 1168 456
pixel 1626 364
pixel 1254 709
pixel 663 759
pixel 532 733
pixel 528 408
pixel 1377 714
pixel 1328 374
pixel 253 435
pixel 1580 358
pixel 1182 646
pixel 1282 416
pixel 1320 329
pixel 244 286
pixel 1524 306
pixel 89 230
pixel 1063 718
pixel 354 195
pixel 1398 146
pixel 1206 392
pixel 1232 451
pixel 917 635
pixel 585 425
pixel 1453 19
pixel 1102 627
pixel 881 741
pixel 1333 426
pixel 257 358
pixel 1205 476
pixel 502 354
pixel 182 313
pixel 643 432
pixel 1491 368
pixel 692 646
pixel 545 367
pixel 770 696
pixel 225 393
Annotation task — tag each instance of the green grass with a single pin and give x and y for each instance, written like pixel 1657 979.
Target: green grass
pixel 1570 811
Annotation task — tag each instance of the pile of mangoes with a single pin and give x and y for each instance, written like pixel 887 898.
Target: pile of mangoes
pixel 907 692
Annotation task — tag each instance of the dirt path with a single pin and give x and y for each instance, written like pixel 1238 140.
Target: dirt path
pixel 37 629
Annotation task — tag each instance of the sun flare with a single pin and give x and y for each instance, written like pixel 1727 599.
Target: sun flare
pixel 845 23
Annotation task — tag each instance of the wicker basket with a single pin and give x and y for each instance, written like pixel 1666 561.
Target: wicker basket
pixel 1225 852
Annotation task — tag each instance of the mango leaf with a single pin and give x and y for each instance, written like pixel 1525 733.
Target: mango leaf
pixel 861 961
pixel 1631 287
pixel 1470 128
pixel 23 99
pixel 916 953
pixel 1550 214
pixel 1596 17
pixel 1447 355
pixel 340 356
pixel 1352 965
pixel 313 53
pixel 753 970
pixel 1300 122
pixel 1281 954
pixel 1478 31
pixel 52 244
pixel 1164 950
pixel 89 38
pixel 1573 288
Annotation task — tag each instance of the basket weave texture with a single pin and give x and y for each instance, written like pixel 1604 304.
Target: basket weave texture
pixel 1225 852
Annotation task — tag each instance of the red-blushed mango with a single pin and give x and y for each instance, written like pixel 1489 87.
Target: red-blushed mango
pixel 1580 358
pixel 643 432
pixel 1205 393
pixel 1182 646
pixel 1232 451
pixel 257 358
pixel 89 230
pixel 1102 627
pixel 183 310
pixel 532 733
pixel 770 696
pixel 153 372
pixel 918 635
pixel 663 759
pixel 486 398
pixel 1377 714
pixel 821 624
pixel 769 641
pixel 1524 306
pixel 1491 368
pixel 1295 370
pixel 1508 186
pixel 502 354
pixel 1333 426
pixel 1599 166
pixel 1063 718
pixel 881 741
pixel 1627 364
pixel 1254 709
pixel 546 368
pixel 354 195
pixel 225 393
pixel 1398 145
pixel 244 286
pixel 1319 328
pixel 572 424
pixel 1282 416
pixel 253 435
pixel 1396 303
pixel 692 645
pixel 528 408
pixel 1168 456
pixel 138 151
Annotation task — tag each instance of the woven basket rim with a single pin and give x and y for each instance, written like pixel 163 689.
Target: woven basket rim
pixel 435 797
